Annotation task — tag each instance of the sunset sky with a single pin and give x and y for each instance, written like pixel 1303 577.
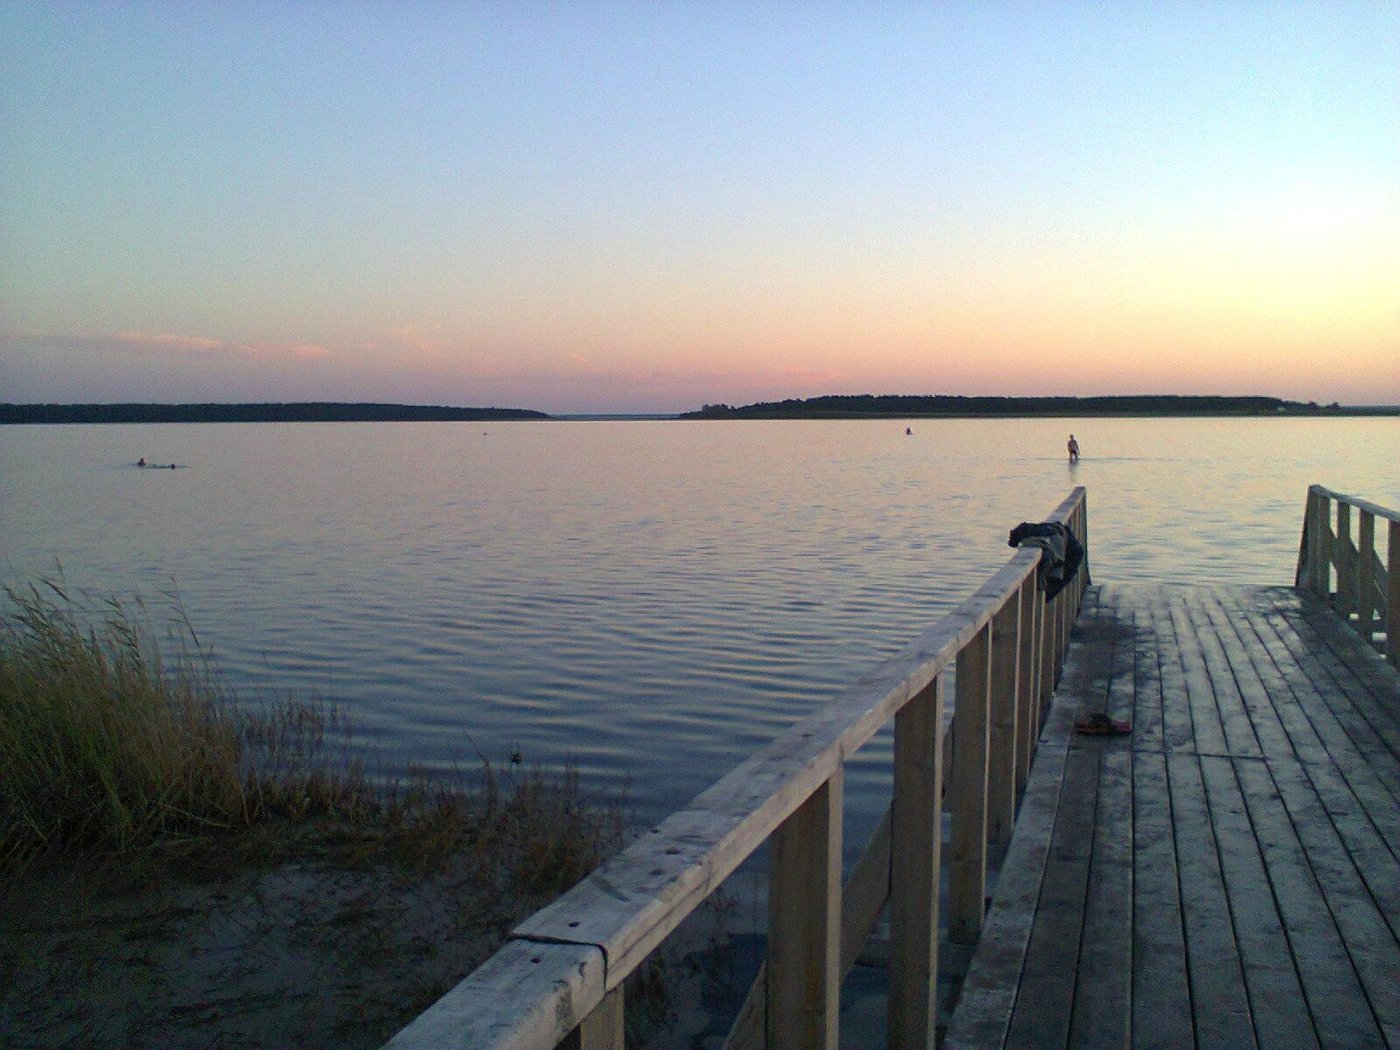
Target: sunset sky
pixel 642 207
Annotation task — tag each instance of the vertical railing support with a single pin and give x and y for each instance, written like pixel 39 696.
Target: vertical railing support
pixel 1045 615
pixel 603 1029
pixel 1392 604
pixel 1027 685
pixel 1320 554
pixel 1346 562
pixel 804 925
pixel 917 831
pixel 968 864
pixel 1365 574
pixel 1003 740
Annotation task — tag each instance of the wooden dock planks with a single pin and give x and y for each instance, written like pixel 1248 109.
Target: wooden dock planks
pixel 1229 873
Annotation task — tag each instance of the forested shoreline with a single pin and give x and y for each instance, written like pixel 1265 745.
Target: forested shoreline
pixel 292 412
pixel 844 406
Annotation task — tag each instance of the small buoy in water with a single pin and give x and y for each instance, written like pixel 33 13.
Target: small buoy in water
pixel 907 431
pixel 516 757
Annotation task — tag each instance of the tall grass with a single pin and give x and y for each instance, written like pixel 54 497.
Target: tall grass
pixel 106 745
pixel 101 743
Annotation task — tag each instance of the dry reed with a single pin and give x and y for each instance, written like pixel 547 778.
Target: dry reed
pixel 107 747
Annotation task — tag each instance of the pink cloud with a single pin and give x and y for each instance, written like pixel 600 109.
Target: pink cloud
pixel 176 345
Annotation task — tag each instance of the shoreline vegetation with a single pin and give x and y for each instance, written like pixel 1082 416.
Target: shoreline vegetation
pixel 177 868
pixel 290 412
pixel 830 406
pixel 902 406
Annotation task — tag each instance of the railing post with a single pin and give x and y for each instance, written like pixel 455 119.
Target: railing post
pixel 1027 685
pixel 1081 530
pixel 1392 604
pixel 1346 562
pixel 1064 602
pixel 603 1029
pixel 1005 728
pixel 916 837
pixel 1365 574
pixel 1045 616
pixel 968 872
pixel 1320 556
pixel 804 925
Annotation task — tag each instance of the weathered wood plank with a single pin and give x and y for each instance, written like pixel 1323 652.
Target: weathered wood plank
pixel 1261 912
pixel 1178 734
pixel 1205 643
pixel 1248 662
pixel 551 987
pixel 1370 940
pixel 1367 599
pixel 967 861
pixel 1276 1000
pixel 1346 563
pixel 917 831
pixel 1365 680
pixel 1392 592
pixel 1004 723
pixel 1334 994
pixel 988 994
pixel 1342 728
pixel 1348 783
pixel 604 1028
pixel 1360 504
pixel 1161 997
pixel 862 902
pixel 1218 998
pixel 1200 690
pixel 1102 1015
pixel 1148 699
pixel 1119 698
pixel 1028 725
pixel 804 925
pixel 1045 1002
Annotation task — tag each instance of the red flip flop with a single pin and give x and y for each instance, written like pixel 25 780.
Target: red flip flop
pixel 1101 725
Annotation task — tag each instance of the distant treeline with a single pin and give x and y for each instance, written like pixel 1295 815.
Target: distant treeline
pixel 835 406
pixel 295 412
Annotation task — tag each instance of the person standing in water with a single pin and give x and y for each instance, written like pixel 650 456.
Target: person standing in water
pixel 1073 447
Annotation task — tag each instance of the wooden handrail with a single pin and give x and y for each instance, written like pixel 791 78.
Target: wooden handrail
pixel 563 968
pixel 1347 572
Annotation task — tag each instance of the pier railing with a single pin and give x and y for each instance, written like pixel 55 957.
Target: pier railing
pixel 561 974
pixel 1348 572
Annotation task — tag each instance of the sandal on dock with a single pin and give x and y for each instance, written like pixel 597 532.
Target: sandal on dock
pixel 1101 725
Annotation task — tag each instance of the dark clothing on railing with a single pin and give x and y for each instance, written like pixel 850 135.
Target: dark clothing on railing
pixel 1062 553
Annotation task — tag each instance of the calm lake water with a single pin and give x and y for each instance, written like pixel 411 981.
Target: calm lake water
pixel 649 600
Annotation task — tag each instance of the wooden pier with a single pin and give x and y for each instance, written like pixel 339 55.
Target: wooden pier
pixel 1224 874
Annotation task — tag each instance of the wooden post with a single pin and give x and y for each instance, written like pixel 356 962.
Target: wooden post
pixel 603 1029
pixel 1346 562
pixel 1047 651
pixel 1320 555
pixel 968 871
pixel 1392 604
pixel 1081 515
pixel 917 832
pixel 1026 686
pixel 804 925
pixel 1366 574
pixel 1065 601
pixel 1003 742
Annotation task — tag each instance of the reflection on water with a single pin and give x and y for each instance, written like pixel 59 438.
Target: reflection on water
pixel 651 600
